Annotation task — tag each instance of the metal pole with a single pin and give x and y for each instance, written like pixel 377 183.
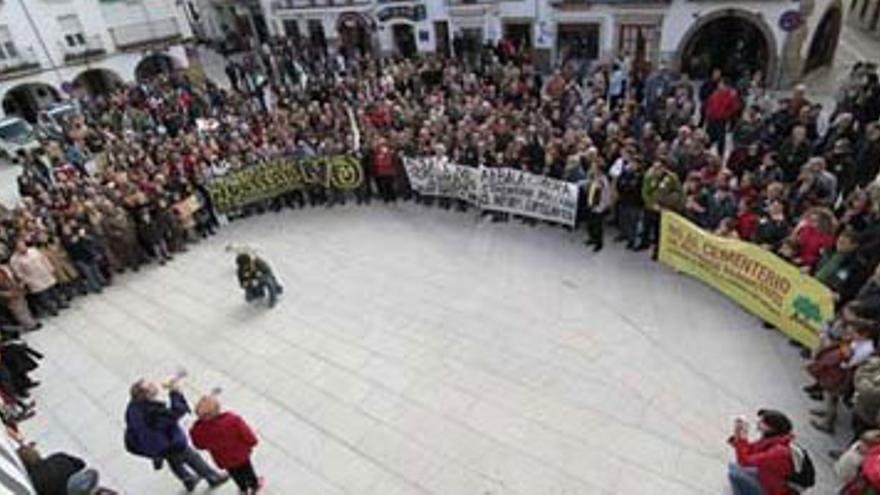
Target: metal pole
pixel 52 66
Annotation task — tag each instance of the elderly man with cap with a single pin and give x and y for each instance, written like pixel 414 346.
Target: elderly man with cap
pixel 229 440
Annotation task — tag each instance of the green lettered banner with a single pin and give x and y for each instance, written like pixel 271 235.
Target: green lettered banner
pixel 268 180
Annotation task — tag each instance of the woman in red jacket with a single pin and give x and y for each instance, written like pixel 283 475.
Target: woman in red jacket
pixel 229 440
pixel 762 467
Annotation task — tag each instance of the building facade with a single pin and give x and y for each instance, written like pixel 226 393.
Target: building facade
pixel 784 39
pixel 865 15
pixel 50 49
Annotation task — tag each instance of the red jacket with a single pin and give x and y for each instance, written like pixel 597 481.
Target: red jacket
pixel 226 437
pixel 746 225
pixel 811 243
pixel 722 105
pixel 772 457
pixel 383 162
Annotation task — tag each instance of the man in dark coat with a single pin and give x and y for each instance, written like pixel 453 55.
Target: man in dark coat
pixel 49 475
pixel 153 431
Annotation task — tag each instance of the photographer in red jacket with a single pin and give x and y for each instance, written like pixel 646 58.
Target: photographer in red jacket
pixel 764 466
pixel 229 440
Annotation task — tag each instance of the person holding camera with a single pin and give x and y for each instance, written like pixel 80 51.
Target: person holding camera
pixel 153 431
pixel 255 276
pixel 763 466
pixel 229 440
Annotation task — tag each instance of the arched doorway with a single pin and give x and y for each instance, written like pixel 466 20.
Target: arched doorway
pixel 154 64
pixel 825 39
pixel 26 100
pixel 355 34
pixel 732 40
pixel 404 39
pixel 97 82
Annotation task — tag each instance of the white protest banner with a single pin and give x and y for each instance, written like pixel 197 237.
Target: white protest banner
pixel 500 189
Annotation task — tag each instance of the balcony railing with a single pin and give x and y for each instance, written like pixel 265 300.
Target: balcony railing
pixel 92 48
pixel 25 59
pixel 143 34
pixel 281 5
pixel 580 3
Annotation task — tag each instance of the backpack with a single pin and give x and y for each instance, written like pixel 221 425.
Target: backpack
pixel 803 475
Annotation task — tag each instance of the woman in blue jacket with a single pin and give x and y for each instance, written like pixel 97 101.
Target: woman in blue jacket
pixel 153 431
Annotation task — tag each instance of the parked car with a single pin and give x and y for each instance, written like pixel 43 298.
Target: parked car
pixel 16 135
pixel 51 119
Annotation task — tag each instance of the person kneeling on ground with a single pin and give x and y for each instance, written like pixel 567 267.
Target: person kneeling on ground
pixel 762 467
pixel 256 278
pixel 229 440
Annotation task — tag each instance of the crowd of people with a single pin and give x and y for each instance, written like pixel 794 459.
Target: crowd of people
pixel 127 186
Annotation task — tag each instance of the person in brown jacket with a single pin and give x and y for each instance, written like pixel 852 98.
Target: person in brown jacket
pixel 12 294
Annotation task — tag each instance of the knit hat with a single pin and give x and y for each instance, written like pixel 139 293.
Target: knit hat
pixel 83 482
pixel 778 422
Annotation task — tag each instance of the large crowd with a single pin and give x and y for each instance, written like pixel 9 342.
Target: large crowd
pixel 127 186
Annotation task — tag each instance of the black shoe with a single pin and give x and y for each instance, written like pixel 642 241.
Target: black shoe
pixel 190 484
pixel 812 389
pixel 835 454
pixel 223 478
pixel 818 396
pixel 597 248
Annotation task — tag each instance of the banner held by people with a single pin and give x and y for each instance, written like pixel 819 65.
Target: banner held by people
pixel 501 189
pixel 766 285
pixel 269 180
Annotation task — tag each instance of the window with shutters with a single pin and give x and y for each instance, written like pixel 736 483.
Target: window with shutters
pixel 7 46
pixel 72 30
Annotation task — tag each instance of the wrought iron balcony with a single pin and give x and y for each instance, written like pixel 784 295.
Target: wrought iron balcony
pixel 85 48
pixel 22 60
pixel 581 3
pixel 144 34
pixel 282 5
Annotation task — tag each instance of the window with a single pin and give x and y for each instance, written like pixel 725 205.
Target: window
pixel 72 30
pixel 7 46
pixel 639 43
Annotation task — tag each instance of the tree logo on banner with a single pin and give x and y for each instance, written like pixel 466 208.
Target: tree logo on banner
pixel 345 173
pixel 806 309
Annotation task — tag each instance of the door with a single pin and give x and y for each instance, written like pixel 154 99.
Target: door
pixel 638 42
pixel 578 42
pixel 404 39
pixel 441 36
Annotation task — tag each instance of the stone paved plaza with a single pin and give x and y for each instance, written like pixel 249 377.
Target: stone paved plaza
pixel 421 351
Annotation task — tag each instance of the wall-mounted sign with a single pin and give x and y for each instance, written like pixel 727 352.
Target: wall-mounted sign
pixel 414 13
pixel 790 20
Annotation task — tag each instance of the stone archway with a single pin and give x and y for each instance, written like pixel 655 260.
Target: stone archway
pixel 155 64
pixel 97 81
pixel 825 38
pixel 356 33
pixel 26 100
pixel 699 50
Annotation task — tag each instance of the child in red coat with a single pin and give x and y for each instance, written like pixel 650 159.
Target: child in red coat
pixel 229 440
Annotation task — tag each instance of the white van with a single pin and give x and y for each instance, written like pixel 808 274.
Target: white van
pixel 16 135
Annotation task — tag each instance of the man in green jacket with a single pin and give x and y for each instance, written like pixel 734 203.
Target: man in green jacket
pixel 661 190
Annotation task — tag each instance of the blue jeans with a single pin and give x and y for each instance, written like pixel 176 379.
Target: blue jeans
pixel 744 480
pixel 92 275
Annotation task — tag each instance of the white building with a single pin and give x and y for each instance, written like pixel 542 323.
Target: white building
pixel 50 48
pixel 784 38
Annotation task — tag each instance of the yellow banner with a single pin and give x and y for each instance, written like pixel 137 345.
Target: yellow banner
pixel 763 283
pixel 269 180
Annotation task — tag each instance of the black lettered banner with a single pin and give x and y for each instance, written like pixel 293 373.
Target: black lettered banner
pixel 268 180
pixel 500 189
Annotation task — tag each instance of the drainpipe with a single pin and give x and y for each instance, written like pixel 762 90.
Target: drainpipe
pixel 52 65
